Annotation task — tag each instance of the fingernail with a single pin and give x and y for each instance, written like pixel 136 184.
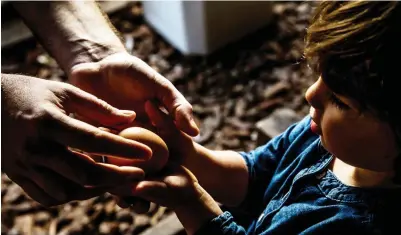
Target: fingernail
pixel 194 126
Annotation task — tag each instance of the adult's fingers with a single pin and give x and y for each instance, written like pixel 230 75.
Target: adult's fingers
pixel 179 108
pixel 83 170
pixel 165 126
pixel 112 129
pixel 92 108
pixel 50 182
pixel 77 134
pixel 46 196
pixel 157 117
pixel 60 188
pixel 34 191
pixel 170 97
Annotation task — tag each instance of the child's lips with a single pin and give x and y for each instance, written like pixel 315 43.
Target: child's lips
pixel 315 128
pixel 313 125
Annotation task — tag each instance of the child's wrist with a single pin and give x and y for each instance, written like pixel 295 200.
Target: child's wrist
pixel 198 212
pixel 202 152
pixel 190 156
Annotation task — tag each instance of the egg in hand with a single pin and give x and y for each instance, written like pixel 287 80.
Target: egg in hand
pixel 160 152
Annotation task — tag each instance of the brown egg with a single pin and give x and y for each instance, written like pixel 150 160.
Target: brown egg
pixel 159 149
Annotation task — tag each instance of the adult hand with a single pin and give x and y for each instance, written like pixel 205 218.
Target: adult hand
pixel 127 82
pixel 180 147
pixel 39 135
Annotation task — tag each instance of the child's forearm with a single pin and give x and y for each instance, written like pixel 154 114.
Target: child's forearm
pixel 223 174
pixel 198 213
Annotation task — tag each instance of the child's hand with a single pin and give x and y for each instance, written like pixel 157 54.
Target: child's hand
pixel 180 145
pixel 174 187
pixel 178 189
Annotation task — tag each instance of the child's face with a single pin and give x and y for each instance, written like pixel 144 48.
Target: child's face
pixel 357 139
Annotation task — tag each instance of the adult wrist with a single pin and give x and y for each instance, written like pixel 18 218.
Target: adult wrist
pixel 73 32
pixel 90 52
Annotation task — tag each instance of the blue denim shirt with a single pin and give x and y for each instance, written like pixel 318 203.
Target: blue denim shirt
pixel 291 191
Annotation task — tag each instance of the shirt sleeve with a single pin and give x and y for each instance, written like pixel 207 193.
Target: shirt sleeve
pixel 262 164
pixel 222 224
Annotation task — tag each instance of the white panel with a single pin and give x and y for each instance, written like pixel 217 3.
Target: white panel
pixel 168 19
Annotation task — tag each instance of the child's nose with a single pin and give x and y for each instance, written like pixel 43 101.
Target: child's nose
pixel 313 95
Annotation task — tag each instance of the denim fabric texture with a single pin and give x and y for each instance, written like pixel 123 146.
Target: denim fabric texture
pixel 291 191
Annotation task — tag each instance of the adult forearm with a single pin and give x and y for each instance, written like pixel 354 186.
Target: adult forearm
pixel 223 174
pixel 72 32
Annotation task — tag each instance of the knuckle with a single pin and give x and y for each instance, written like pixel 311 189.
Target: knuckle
pixel 35 114
pixel 97 135
pixel 135 64
pixel 71 91
pixel 163 82
pixel 189 106
pixel 68 88
pixel 186 107
pixel 60 93
pixel 180 108
pixel 60 88
pixel 107 107
pixel 36 120
pixel 76 71
pixel 44 118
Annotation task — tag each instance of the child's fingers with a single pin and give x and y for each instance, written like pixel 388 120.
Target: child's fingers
pixel 140 206
pixel 159 119
pixel 120 202
pixel 150 190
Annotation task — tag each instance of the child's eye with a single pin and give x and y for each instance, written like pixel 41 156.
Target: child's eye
pixel 337 102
